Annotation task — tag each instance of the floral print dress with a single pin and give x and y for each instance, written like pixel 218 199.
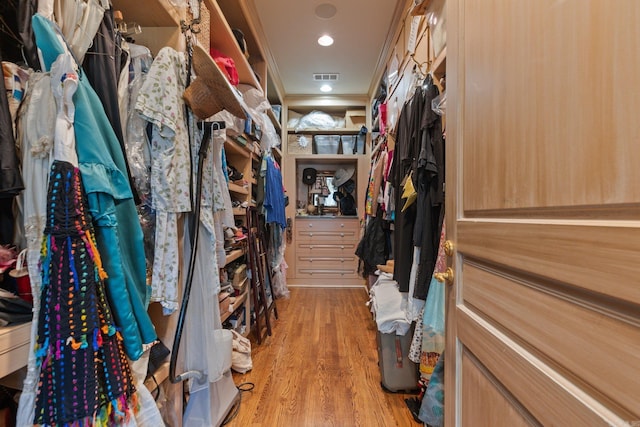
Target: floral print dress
pixel 160 102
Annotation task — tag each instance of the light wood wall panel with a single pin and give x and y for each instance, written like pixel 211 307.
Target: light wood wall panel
pixel 513 143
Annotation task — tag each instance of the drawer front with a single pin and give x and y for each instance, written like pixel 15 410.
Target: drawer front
pixel 326 249
pixel 332 224
pixel 329 274
pixel 326 263
pixel 337 237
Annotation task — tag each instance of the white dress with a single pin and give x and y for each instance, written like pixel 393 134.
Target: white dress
pixel 36 122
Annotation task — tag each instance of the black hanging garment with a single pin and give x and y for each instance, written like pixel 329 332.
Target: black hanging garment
pixel 430 188
pixel 26 9
pixel 10 178
pixel 373 248
pixel 404 162
pixel 102 66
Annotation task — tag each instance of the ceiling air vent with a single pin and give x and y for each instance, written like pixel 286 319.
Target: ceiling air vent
pixel 325 77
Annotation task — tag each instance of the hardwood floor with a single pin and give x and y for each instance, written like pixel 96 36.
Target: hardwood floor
pixel 320 367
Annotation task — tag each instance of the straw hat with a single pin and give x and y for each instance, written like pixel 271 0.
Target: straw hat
pixel 210 92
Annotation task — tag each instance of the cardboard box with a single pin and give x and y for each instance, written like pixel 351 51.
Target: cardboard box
pixel 355 119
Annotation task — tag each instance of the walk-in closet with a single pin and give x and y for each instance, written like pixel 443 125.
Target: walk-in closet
pixel 319 213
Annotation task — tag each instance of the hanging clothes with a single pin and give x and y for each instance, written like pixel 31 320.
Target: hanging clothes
pixel 405 153
pixel 26 9
pixel 110 203
pixel 274 194
pixel 84 377
pixel 430 188
pixel 10 177
pixel 160 103
pixel 35 128
pixel 79 21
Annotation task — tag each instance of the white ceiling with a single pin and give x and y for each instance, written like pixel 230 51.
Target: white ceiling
pixel 360 29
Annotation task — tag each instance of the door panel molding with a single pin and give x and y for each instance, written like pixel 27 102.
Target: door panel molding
pixel 577 340
pixel 600 256
pixel 486 401
pixel 550 397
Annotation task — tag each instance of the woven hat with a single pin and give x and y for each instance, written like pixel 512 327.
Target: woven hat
pixel 210 92
pixel 342 175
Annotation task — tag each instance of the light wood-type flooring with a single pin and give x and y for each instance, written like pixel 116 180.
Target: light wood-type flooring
pixel 320 367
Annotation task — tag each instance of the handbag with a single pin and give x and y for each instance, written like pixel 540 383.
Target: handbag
pixel 241 357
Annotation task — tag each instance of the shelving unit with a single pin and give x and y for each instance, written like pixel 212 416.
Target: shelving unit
pixel 240 300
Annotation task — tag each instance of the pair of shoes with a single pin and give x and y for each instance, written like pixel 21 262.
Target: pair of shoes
pixel 233 173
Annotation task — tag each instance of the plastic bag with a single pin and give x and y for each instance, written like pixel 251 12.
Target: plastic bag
pixel 433 329
pixel 439 104
pixel 316 119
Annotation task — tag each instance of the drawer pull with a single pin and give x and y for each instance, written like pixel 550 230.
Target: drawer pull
pixel 341 225
pixel 310 225
pixel 310 234
pixel 342 247
pixel 341 234
pixel 341 259
pixel 310 259
pixel 311 247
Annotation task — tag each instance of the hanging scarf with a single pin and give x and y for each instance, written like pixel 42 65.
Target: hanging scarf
pixel 85 378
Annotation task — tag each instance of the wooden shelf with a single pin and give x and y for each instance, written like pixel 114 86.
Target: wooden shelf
pixel 239 211
pixel 277 153
pixel 439 66
pixel 274 120
pixel 235 188
pixel 232 147
pixel 236 305
pixel 160 376
pixel 234 255
pixel 339 131
pixel 222 39
pixel 14 347
pixel 151 13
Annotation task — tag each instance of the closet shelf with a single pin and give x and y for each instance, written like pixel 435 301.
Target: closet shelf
pixel 239 211
pixel 152 13
pixel 274 120
pixel 439 66
pixel 236 305
pixel 232 147
pixel 222 39
pixel 337 131
pixel 277 153
pixel 14 347
pixel 234 255
pixel 158 378
pixel 235 188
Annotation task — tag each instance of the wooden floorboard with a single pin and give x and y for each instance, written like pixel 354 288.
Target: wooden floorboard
pixel 320 367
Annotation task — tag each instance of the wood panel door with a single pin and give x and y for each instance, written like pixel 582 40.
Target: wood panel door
pixel 543 207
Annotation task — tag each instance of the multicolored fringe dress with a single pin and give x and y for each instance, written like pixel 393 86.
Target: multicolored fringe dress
pixel 85 377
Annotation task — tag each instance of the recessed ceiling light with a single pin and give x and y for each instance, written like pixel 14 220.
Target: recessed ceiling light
pixel 325 88
pixel 325 40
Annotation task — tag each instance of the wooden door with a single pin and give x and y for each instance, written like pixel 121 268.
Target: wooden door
pixel 543 206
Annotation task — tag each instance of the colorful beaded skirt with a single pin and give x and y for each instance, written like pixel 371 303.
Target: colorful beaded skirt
pixel 85 378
